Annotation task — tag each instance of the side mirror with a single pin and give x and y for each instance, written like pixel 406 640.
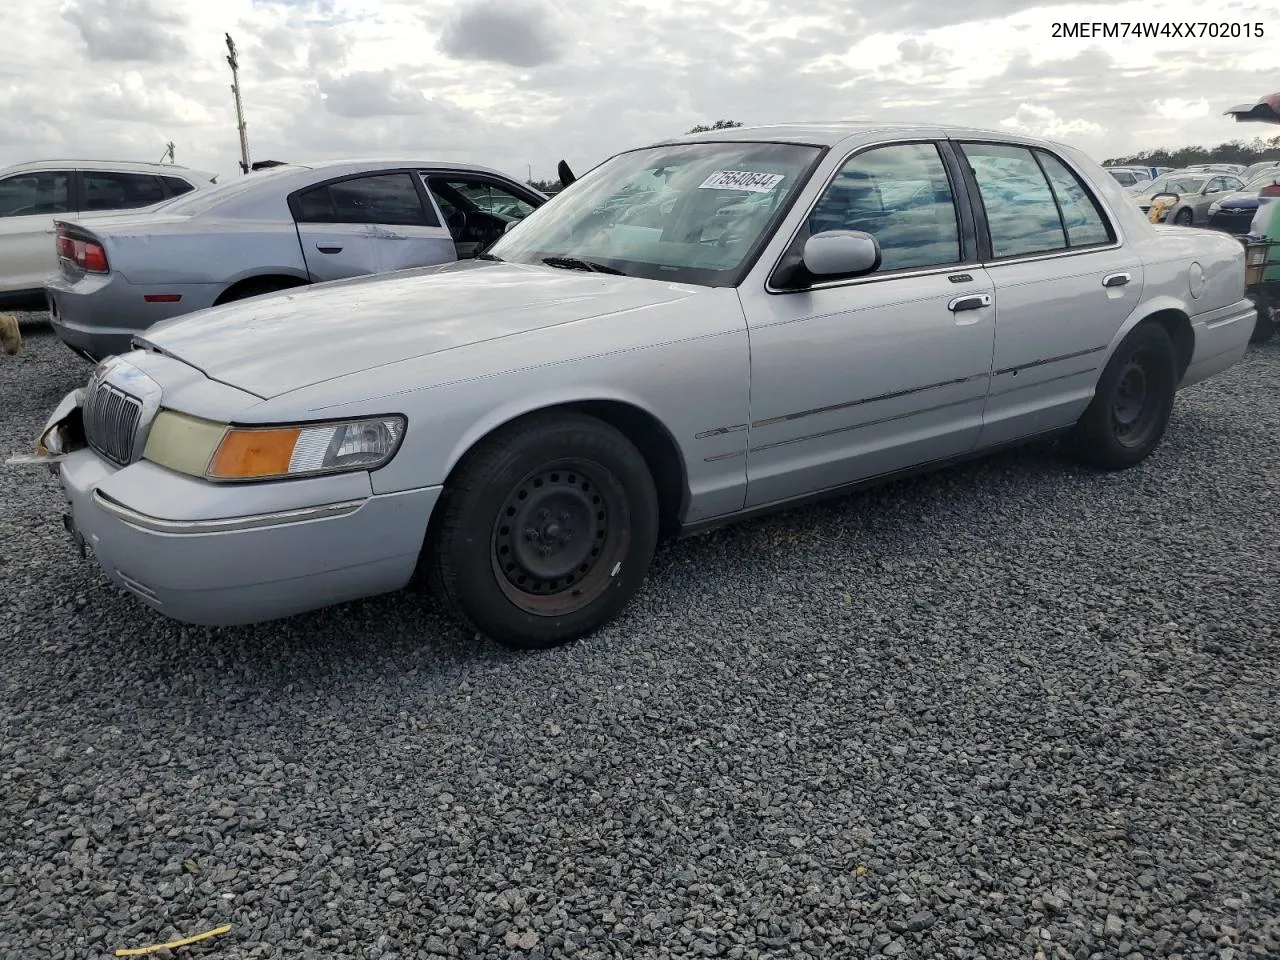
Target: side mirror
pixel 565 174
pixel 841 252
pixel 1165 199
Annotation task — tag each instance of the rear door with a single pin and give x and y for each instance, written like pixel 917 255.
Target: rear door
pixel 366 224
pixel 1064 285
pixel 28 204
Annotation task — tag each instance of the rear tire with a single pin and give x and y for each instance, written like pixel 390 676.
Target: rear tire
pixel 546 532
pixel 1132 404
pixel 1265 328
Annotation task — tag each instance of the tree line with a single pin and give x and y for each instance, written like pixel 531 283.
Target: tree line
pixel 1233 151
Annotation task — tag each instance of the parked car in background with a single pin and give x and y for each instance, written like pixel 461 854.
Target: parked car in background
pixel 33 194
pixel 282 227
pixel 1258 169
pixel 1194 193
pixel 1130 176
pixel 1234 212
pixel 817 311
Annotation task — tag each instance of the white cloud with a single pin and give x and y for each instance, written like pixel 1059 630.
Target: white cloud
pixel 1176 109
pixel 1043 122
pixel 522 82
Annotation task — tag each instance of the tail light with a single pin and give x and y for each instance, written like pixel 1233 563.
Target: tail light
pixel 1271 190
pixel 88 255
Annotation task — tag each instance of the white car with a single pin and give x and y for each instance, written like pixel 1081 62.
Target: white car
pixel 820 308
pixel 32 194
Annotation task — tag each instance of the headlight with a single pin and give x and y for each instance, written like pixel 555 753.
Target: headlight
pixel 220 452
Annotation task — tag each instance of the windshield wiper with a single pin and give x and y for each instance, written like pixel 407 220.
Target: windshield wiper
pixel 574 263
pixel 489 256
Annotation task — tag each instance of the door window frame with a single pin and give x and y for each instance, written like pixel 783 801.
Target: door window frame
pixel 73 192
pixel 424 197
pixel 984 231
pixel 966 223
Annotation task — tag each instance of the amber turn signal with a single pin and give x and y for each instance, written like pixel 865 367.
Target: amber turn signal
pixel 254 454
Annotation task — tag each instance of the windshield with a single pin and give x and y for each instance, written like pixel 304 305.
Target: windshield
pixel 1177 185
pixel 198 201
pixel 692 213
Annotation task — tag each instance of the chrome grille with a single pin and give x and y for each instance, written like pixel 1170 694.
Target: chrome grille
pixel 111 419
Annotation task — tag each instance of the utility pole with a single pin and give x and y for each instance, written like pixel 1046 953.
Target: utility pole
pixel 235 89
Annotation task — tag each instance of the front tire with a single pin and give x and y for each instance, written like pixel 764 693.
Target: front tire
pixel 1132 404
pixel 546 532
pixel 1184 217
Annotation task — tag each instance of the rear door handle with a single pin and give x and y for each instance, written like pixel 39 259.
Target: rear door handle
pixel 328 248
pixel 970 301
pixel 1116 279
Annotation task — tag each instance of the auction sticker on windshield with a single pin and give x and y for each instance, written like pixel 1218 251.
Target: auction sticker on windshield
pixel 742 180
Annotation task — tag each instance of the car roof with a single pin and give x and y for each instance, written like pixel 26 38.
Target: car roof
pixel 832 132
pixel 122 166
pixel 354 165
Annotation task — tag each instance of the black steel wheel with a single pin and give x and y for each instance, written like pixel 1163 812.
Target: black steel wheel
pixel 560 536
pixel 1184 217
pixel 545 531
pixel 1132 403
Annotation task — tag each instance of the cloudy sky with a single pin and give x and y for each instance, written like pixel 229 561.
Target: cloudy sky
pixel 518 84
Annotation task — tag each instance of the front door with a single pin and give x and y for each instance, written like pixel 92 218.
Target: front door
pixel 28 204
pixel 1063 288
pixel 366 224
pixel 476 210
pixel 863 377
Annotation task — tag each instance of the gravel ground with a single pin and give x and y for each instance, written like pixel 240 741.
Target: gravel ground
pixel 1015 709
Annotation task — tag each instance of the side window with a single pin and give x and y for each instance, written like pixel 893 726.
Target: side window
pixel 1215 185
pixel 177 186
pixel 899 194
pixel 1022 215
pixel 104 190
pixel 389 198
pixel 1080 212
pixel 1233 183
pixel 483 196
pixel 31 194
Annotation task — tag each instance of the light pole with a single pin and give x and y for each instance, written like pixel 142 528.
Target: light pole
pixel 235 89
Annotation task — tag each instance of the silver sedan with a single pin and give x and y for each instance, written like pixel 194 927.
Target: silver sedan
pixel 691 333
pixel 283 227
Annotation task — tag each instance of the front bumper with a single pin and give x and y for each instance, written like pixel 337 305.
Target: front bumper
pixel 227 567
pixel 98 314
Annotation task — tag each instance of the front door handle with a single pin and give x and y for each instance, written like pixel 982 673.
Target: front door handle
pixel 1116 279
pixel 970 301
pixel 328 248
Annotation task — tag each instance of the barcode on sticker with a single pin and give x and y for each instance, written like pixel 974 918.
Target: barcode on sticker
pixel 742 180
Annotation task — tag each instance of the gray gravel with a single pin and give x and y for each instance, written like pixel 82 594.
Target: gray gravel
pixel 1016 709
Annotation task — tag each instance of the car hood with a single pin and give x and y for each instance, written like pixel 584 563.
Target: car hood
pixel 280 342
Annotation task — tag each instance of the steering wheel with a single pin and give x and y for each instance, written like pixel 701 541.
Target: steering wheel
pixel 456 221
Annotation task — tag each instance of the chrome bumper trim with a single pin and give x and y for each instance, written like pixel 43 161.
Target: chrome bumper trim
pixel 228 525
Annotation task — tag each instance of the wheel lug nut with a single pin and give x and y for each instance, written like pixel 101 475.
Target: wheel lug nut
pixel 544 514
pixel 564 518
pixel 530 533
